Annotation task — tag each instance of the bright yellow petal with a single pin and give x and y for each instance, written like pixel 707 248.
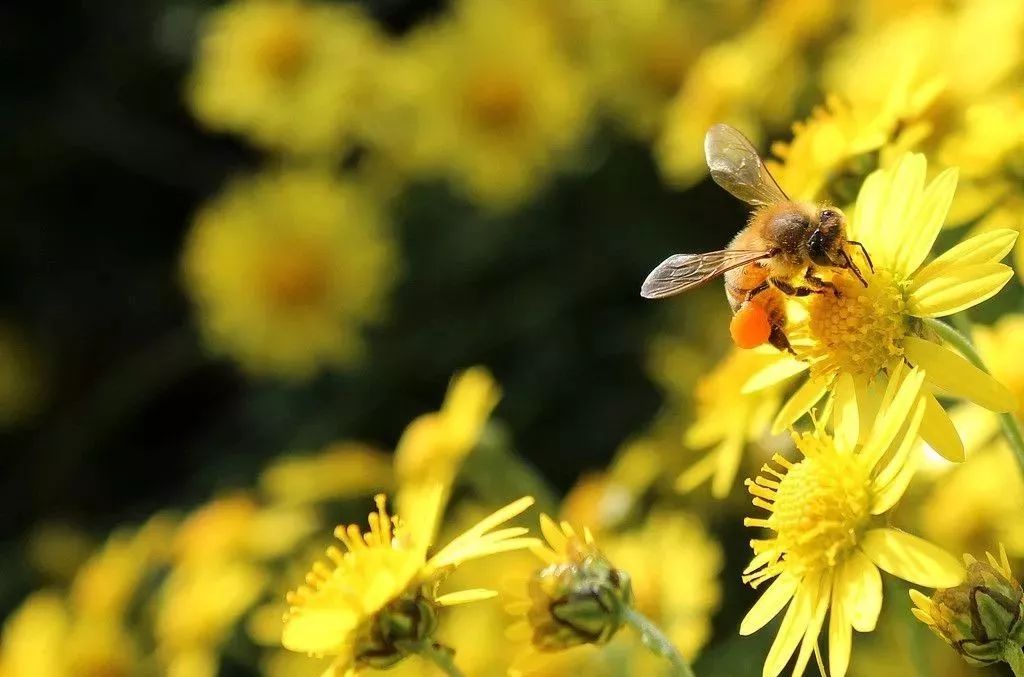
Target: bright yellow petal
pixel 839 631
pixel 956 289
pixel 866 223
pixel 845 415
pixel 810 639
pixel 939 432
pixel 890 487
pixel 911 558
pixel 465 596
pixel 698 473
pixel 774 373
pixel 319 631
pixel 987 247
pixel 799 403
pixel 770 603
pixel 728 456
pixel 794 624
pixel 861 587
pixel 894 416
pixel 919 233
pixel 955 375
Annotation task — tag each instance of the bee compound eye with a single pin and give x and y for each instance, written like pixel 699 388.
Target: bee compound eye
pixel 827 215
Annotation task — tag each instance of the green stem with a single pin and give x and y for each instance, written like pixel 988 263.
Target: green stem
pixel 1010 425
pixel 655 640
pixel 441 657
pixel 1015 659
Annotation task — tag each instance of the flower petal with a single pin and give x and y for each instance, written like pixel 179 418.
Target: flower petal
pixel 839 631
pixel 861 595
pixel 794 625
pixel 466 596
pixel 774 373
pixel 799 403
pixel 887 494
pixel 954 374
pixel 938 431
pixel 319 631
pixel 924 224
pixel 846 419
pixel 987 247
pixel 911 558
pixel 728 456
pixel 770 603
pixel 894 415
pixel 958 288
pixel 810 639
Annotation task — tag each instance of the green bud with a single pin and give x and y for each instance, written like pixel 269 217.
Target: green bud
pixel 580 601
pixel 983 617
pixel 396 631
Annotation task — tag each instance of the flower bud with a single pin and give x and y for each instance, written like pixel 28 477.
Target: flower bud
pixel 396 632
pixel 581 600
pixel 983 617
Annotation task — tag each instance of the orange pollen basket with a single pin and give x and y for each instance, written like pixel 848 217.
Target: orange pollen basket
pixel 750 326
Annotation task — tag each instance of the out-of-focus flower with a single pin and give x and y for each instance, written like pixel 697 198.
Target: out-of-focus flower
pixel 342 470
pixel 490 101
pixel 656 557
pixel 286 269
pixel 57 550
pixel 983 617
pixel 433 446
pixel 579 597
pixel 42 637
pixel 977 503
pixel 379 603
pixel 850 343
pixel 292 75
pixel 728 416
pixel 729 83
pixel 21 377
pixel 825 552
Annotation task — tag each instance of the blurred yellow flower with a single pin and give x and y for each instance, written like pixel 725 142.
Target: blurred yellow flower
pixel 656 556
pixel 42 637
pixel 849 343
pixel 379 603
pixel 285 270
pixel 977 504
pixel 433 446
pixel 728 417
pixel 342 470
pixel 491 101
pixel 292 75
pixel 825 552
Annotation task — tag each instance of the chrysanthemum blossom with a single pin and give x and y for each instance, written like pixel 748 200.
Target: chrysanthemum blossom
pixel 379 602
pixel 827 549
pixel 850 343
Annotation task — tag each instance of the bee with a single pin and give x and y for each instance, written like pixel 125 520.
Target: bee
pixel 779 253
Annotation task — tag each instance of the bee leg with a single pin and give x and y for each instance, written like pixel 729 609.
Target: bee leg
pixel 864 251
pixel 780 341
pixel 819 283
pixel 756 290
pixel 790 290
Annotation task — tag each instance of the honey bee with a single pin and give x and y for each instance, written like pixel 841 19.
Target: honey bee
pixel 779 252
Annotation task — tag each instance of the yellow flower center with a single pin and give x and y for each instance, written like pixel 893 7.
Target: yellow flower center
pixel 821 506
pixel 283 49
pixel 495 100
pixel 295 277
pixel 860 331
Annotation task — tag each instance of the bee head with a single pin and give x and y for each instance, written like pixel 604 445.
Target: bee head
pixel 825 245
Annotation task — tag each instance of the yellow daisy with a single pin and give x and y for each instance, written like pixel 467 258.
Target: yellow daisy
pixel 487 99
pixel 342 470
pixel 292 75
pixel 379 603
pixel 849 343
pixel 826 549
pixel 285 270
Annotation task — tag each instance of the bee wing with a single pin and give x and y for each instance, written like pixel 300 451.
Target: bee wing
pixel 736 166
pixel 685 271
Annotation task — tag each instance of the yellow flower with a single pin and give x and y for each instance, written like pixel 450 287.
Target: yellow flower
pixel 977 503
pixel 342 470
pixel 285 270
pixel 656 555
pixel 639 53
pixel 492 102
pixel 826 551
pixel 727 419
pixel 433 446
pixel 379 603
pixel 850 343
pixel 291 75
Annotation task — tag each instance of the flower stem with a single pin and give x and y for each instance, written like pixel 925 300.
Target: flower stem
pixel 1015 658
pixel 1011 427
pixel 441 657
pixel 655 640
